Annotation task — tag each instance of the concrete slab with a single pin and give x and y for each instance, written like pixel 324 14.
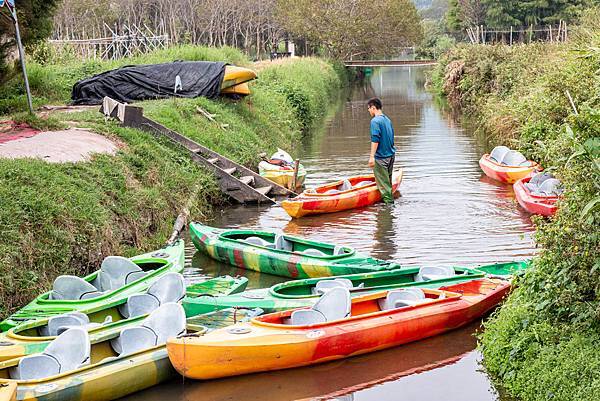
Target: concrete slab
pixel 71 145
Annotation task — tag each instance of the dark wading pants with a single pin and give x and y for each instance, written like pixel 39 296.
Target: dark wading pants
pixel 383 169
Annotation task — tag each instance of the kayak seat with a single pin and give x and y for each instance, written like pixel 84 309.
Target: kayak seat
pixel 86 327
pixel 338 250
pixel 538 179
pixel 363 184
pixel 428 273
pixel 345 185
pixel 168 288
pixel 117 271
pixel 259 241
pixel 73 288
pixel 332 192
pixel 514 159
pixel 551 187
pixel 498 153
pixel 332 305
pixel 325 285
pixel 313 252
pixel 165 322
pixel 67 352
pixel 71 319
pixel 282 243
pixel 400 298
pixel 304 317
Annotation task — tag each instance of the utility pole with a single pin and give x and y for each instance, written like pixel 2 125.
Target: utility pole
pixel 10 4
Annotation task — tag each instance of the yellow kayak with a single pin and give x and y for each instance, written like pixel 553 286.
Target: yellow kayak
pixel 240 90
pixel 8 390
pixel 235 76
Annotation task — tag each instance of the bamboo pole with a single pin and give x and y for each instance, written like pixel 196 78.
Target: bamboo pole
pixel 295 176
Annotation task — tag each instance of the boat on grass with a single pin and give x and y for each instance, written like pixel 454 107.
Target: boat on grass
pixel 117 279
pixel 235 76
pixel 336 327
pixel 306 292
pixel 352 193
pixel 281 254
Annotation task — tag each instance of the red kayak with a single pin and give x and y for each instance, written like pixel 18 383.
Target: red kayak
pixel 536 204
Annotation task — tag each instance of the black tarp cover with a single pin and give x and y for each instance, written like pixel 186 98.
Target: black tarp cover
pixel 154 81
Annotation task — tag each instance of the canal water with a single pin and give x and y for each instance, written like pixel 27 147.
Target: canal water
pixel 448 214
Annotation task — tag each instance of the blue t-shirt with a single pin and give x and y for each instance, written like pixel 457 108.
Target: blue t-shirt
pixel 383 133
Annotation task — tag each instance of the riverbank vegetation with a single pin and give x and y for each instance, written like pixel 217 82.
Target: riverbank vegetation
pixel 64 218
pixel 544 99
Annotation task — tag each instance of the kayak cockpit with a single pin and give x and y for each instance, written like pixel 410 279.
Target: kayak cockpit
pixel 285 243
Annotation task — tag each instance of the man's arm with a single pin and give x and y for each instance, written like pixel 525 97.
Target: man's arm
pixel 375 134
pixel 374 146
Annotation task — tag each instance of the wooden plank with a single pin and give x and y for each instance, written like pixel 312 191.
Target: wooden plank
pixel 264 190
pixel 247 179
pixel 230 170
pixel 213 160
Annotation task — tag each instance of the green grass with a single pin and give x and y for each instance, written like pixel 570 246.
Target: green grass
pixel 543 344
pixel 65 218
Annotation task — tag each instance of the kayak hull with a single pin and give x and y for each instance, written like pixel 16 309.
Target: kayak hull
pixel 505 174
pixel 239 90
pixel 235 76
pixel 223 246
pixel 261 345
pixel 542 205
pixel 311 203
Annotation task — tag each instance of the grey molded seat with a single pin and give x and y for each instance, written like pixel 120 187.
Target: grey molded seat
pixel 165 322
pixel 259 241
pixel 332 192
pixel 338 250
pixel 401 297
pixel 325 285
pixel 551 187
pixel 363 184
pixel 168 288
pixel 345 185
pixel 282 243
pixel 514 159
pixel 428 273
pixel 498 153
pixel 539 178
pixel 61 323
pixel 117 271
pixel 73 288
pixel 67 352
pixel 333 305
pixel 313 252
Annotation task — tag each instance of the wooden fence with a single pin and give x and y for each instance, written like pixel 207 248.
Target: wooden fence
pixel 512 35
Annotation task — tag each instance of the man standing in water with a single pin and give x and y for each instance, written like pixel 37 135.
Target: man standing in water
pixel 383 151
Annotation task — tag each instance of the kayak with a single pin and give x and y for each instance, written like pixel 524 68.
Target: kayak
pixel 281 254
pixel 282 175
pixel 302 293
pixel 240 90
pixel 373 322
pixel 117 279
pixel 536 204
pixel 110 374
pixel 34 336
pixel 503 173
pixel 8 390
pixel 354 192
pixel 235 75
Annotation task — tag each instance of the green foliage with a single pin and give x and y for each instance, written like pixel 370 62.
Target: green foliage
pixel 537 12
pixel 435 41
pixel 543 343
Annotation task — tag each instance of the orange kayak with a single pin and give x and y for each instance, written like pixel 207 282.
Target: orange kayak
pixel 503 173
pixel 352 193
pixel 270 342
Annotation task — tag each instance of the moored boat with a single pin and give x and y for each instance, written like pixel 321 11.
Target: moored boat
pixel 352 193
pixel 281 169
pixel 117 279
pixel 538 194
pixel 281 254
pixel 304 293
pixel 506 165
pixel 337 327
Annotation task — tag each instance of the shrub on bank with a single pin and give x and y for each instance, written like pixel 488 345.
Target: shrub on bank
pixel 542 344
pixel 65 218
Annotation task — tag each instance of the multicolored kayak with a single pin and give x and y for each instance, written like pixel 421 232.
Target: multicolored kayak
pixel 303 293
pixel 34 336
pixel 503 173
pixel 352 193
pixel 282 175
pixel 281 254
pixel 536 204
pixel 302 337
pixel 110 374
pixel 117 279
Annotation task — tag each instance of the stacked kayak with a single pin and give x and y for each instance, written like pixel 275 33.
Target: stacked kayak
pixel 77 365
pixel 235 80
pixel 539 193
pixel 336 327
pixel 282 255
pixel 352 193
pixel 506 165
pixel 117 279
pixel 304 293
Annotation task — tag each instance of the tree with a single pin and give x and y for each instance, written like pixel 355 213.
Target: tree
pixel 35 22
pixel 352 28
pixel 533 12
pixel 465 13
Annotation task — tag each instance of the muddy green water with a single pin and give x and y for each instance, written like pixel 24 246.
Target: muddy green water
pixel 449 214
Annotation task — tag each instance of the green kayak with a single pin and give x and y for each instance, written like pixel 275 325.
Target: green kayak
pixel 117 279
pixel 281 254
pixel 302 293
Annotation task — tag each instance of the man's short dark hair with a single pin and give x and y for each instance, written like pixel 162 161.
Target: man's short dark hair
pixel 375 101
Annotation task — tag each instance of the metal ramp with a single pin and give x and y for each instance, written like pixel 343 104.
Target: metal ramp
pixel 235 180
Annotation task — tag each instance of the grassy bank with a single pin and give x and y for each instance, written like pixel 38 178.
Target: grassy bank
pixel 543 343
pixel 63 219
